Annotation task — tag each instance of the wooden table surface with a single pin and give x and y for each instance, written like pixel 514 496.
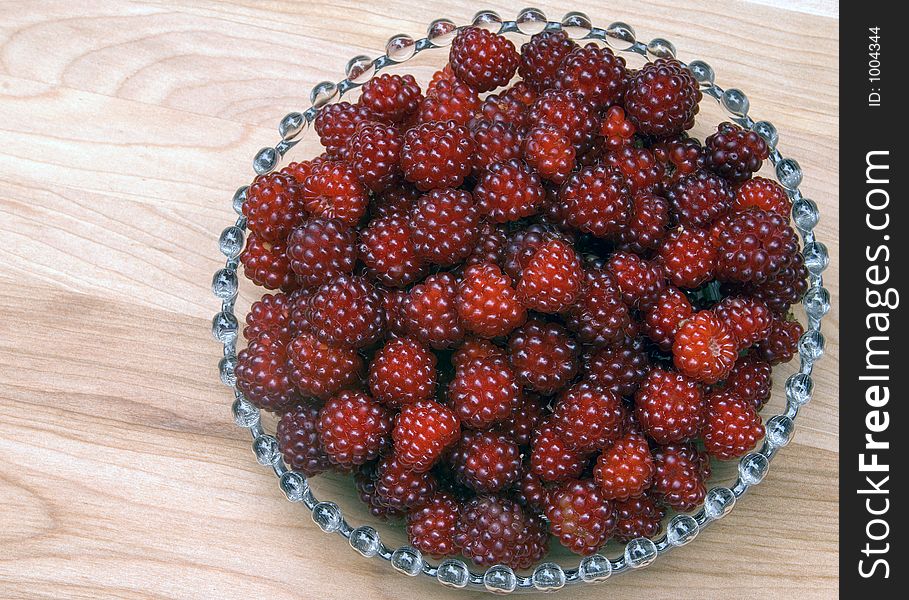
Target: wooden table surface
pixel 124 129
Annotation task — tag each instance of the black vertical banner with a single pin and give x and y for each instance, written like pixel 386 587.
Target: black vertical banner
pixel 873 258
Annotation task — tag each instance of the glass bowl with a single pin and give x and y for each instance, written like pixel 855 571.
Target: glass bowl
pixel 546 576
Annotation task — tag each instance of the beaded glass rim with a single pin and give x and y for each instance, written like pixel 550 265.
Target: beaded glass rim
pixel 546 576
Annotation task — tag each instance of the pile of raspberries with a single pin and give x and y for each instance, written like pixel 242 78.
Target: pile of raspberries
pixel 534 312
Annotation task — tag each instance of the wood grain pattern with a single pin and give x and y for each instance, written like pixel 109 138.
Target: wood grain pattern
pixel 124 129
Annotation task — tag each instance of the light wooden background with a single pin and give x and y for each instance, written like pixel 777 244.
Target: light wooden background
pixel 124 129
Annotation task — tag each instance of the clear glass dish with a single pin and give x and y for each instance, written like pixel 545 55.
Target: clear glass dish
pixel 680 529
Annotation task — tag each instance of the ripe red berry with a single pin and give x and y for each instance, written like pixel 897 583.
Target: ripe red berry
pixel 625 469
pixel 273 206
pixel 704 349
pixel 347 311
pixel 396 201
pixel 484 392
pixel 595 73
pixel 551 459
pixel 389 255
pixel 400 487
pixel 596 200
pixel 754 246
pixel 588 417
pixel 423 430
pixel 569 113
pixel 663 319
pixel 531 493
pixel 508 191
pixel 541 57
pixel 616 128
pixel 266 264
pixel 523 244
pixel 748 319
pixel 490 246
pixel 300 170
pixel 321 249
pixel 492 531
pixel 553 278
pixel 487 303
pixel 639 166
pixel 580 516
pixel 639 281
pixel 669 406
pixel 445 226
pixel 353 428
pixel 486 461
pixel 432 528
pixel 638 517
pixel 333 191
pixel 474 348
pixel 679 476
pixel 336 123
pixel 735 153
pixel 262 373
pixel 620 369
pixel 449 100
pixel 271 313
pixel 483 59
pixel 782 341
pixel 431 312
pixel 298 440
pixel 762 193
pixel 374 152
pixel 662 98
pixel 437 155
pixel 750 379
pixel 689 257
pixel 732 426
pixel 700 198
pixel 394 301
pixel 497 141
pixel 783 289
pixel 392 98
pixel 365 481
pixel 320 370
pixel 549 152
pixel 544 356
pixel 402 372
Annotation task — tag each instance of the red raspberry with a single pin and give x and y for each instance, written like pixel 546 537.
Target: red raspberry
pixel 492 531
pixel 641 169
pixel 531 492
pixel 544 356
pixel 431 312
pixel 595 73
pixel 389 255
pixel 396 201
pixel 303 169
pixel 474 348
pixel 661 322
pixel 596 200
pixel 392 98
pixel 497 141
pixel 422 431
pixel 524 243
pixel 639 281
pixel 272 314
pixel 437 155
pixel 321 249
pixel 735 153
pixel 700 198
pixel 762 193
pixel 374 152
pixel 680 155
pixel 487 303
pixel 647 224
pixel 553 278
pixel 503 108
pixel 298 306
pixel 782 343
pixel 298 439
pixel 551 459
pixel 620 369
pixel 704 349
pixel 521 92
pixel 732 426
pixel 273 206
pixel 569 114
pixel 336 123
pixel 588 417
pixel 449 100
pixel 747 318
pixel 625 469
pixel 266 264
pixel 550 153
pixel 508 191
pixel 483 59
pixel 320 370
pixel 580 516
pixel 443 74
pixel 347 311
pixel 750 379
pixel 489 247
pixel 432 528
pixel 541 57
pixel 365 480
pixel 353 428
pixel 669 406
pixel 262 373
pixel 486 461
pixel 678 476
pixel 521 424
pixel 689 257
pixel 616 128
pixel 394 301
pixel 783 289
pixel 401 488
pixel 599 316
pixel 333 191
pixel 484 392
pixel 638 517
pixel 402 372
pixel 445 226
pixel 754 246
pixel 662 98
